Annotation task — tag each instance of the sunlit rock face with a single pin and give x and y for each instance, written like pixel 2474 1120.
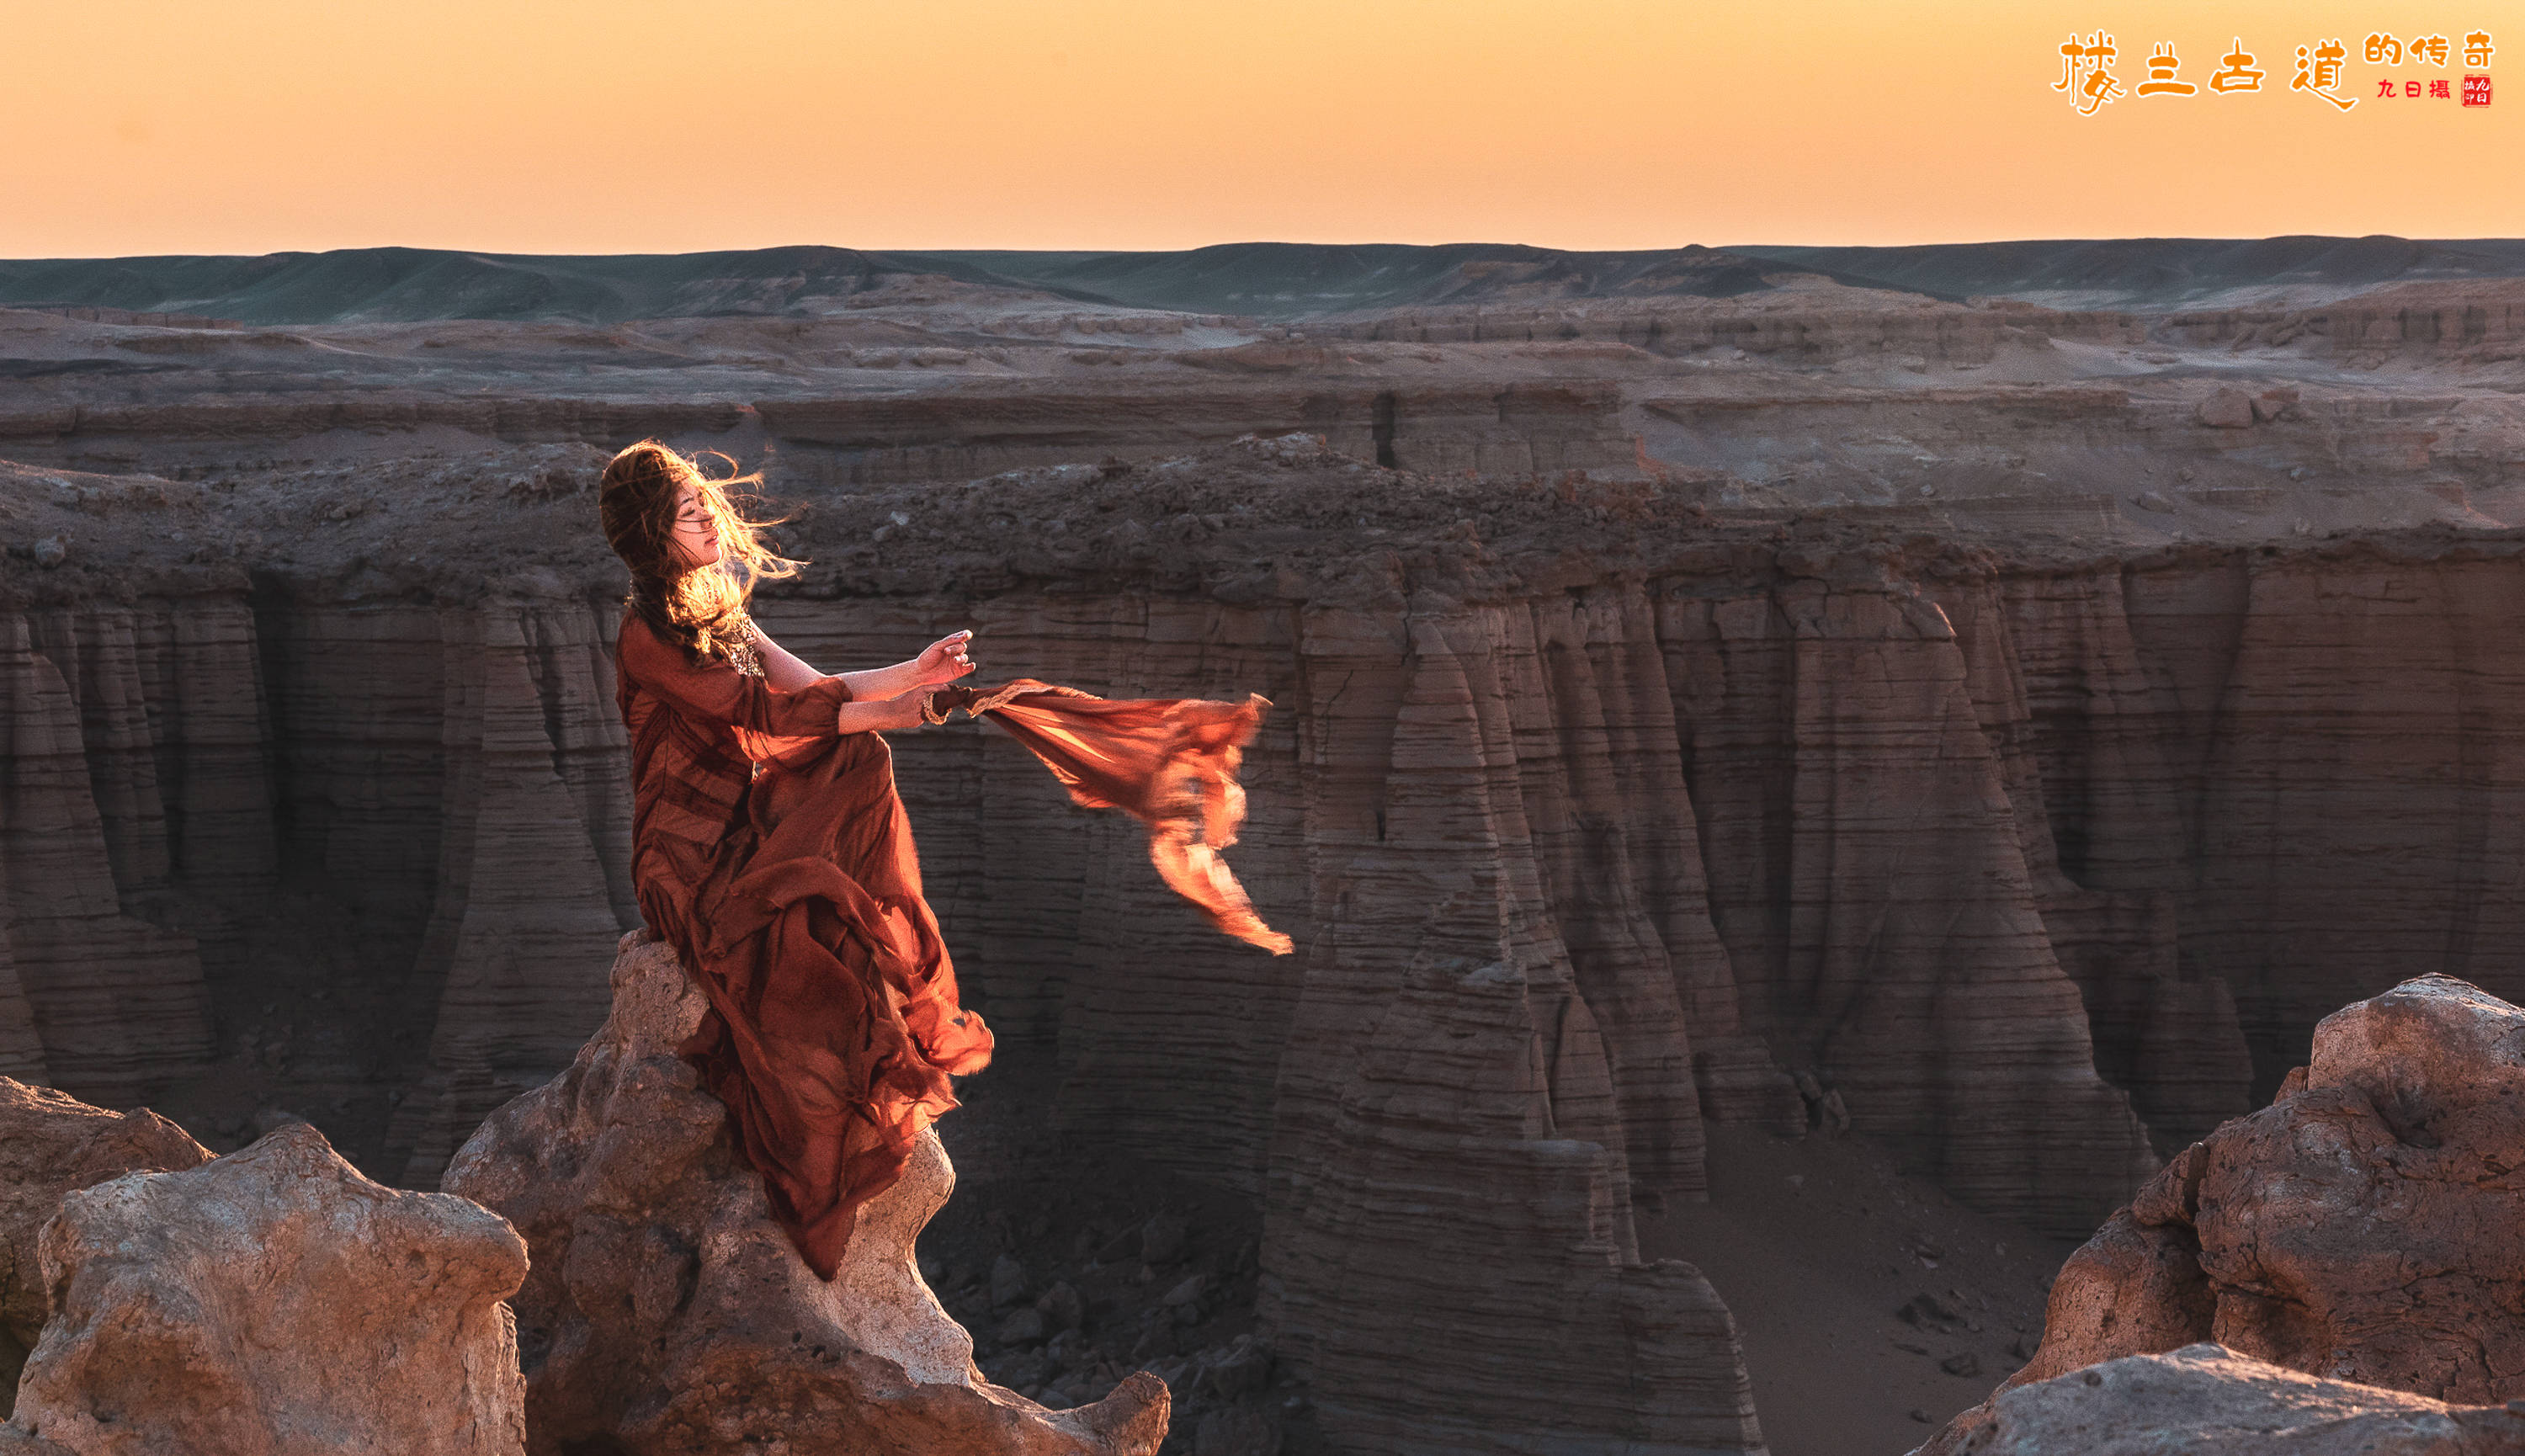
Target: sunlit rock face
pixel 666 1312
pixel 52 1145
pixel 2202 1400
pixel 2357 1229
pixel 275 1303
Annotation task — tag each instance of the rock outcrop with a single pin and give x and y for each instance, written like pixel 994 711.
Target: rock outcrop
pixel 2362 1228
pixel 667 1313
pixel 2202 1400
pixel 275 1303
pixel 52 1145
pixel 1508 1309
pixel 534 864
pixel 110 1002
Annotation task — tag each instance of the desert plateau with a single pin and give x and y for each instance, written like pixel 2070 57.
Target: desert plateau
pixel 1887 848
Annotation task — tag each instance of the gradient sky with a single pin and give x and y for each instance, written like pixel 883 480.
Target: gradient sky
pixel 136 126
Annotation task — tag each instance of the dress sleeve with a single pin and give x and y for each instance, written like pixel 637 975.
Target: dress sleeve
pixel 765 720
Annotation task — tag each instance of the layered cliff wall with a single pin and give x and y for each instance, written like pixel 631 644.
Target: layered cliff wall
pixel 1919 826
pixel 2017 864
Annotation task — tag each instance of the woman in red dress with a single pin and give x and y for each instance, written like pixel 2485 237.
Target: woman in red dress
pixel 769 849
pixel 769 846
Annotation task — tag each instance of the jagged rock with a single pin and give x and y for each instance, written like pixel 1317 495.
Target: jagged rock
pixel 667 1313
pixel 1236 1431
pixel 1237 1368
pixel 2360 1228
pixel 1062 1308
pixel 2226 409
pixel 16 1442
pixel 275 1303
pixel 51 1144
pixel 1162 1239
pixel 2202 1400
pixel 1008 1281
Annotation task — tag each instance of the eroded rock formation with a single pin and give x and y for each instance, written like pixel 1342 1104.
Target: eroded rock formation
pixel 665 1312
pixel 275 1303
pixel 1509 1305
pixel 1633 643
pixel 2360 1228
pixel 52 1145
pixel 110 1002
pixel 2201 1400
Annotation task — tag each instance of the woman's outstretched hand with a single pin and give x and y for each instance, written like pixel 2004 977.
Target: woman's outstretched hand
pixel 943 661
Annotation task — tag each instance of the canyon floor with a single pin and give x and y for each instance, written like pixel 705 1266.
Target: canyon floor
pixel 307 587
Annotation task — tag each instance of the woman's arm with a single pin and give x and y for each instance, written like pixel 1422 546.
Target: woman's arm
pixel 760 709
pixel 942 660
pixel 783 668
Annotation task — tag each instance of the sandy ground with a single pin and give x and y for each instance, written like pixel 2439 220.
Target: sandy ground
pixel 1817 1244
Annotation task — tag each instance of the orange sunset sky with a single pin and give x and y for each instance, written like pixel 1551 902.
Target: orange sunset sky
pixel 639 126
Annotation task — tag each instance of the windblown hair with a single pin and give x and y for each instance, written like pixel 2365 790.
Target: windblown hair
pixel 702 609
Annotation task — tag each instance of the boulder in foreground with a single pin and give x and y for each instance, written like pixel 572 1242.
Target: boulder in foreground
pixel 275 1303
pixel 2202 1400
pixel 667 1315
pixel 2364 1227
pixel 52 1145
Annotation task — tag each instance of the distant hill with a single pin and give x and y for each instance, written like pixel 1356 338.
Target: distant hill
pixel 412 284
pixel 1283 281
pixel 2160 273
pixel 1265 280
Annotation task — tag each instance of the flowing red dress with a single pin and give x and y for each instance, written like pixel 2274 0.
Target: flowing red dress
pixel 769 848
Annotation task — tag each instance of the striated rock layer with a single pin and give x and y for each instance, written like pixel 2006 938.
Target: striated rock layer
pixel 666 1311
pixel 111 1001
pixel 275 1303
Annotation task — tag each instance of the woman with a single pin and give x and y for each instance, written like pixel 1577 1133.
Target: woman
pixel 769 846
pixel 769 849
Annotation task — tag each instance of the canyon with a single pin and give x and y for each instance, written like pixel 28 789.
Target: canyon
pixel 1710 701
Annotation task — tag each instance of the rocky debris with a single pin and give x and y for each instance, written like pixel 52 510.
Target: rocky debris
pixel 667 1313
pixel 2360 1228
pixel 275 1303
pixel 2227 409
pixel 1082 1220
pixel 52 1145
pixel 2204 1400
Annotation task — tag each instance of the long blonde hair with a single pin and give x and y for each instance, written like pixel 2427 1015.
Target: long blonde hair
pixel 701 608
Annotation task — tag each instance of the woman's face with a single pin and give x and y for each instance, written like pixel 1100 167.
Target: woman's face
pixel 696 535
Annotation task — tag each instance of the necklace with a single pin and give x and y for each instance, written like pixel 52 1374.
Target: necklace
pixel 743 656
